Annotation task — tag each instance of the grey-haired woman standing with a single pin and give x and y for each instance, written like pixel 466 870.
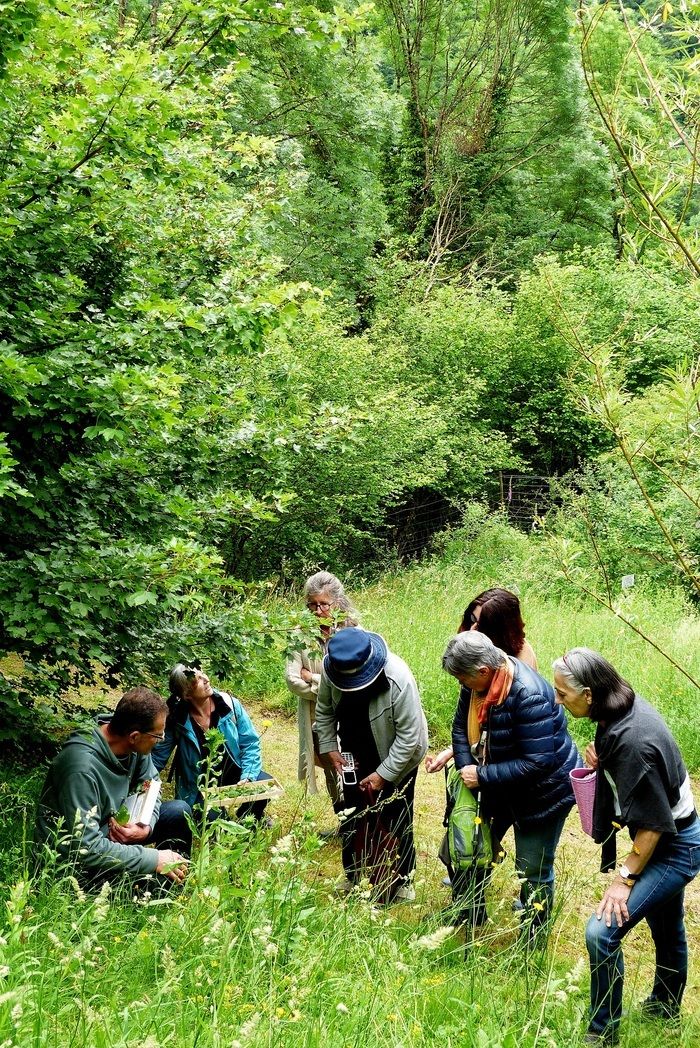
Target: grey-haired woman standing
pixel 326 599
pixel 641 783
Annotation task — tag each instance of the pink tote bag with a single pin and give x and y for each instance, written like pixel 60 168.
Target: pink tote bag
pixel 583 785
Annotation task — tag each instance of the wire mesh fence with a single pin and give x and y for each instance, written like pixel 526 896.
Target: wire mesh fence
pixel 524 497
pixel 410 529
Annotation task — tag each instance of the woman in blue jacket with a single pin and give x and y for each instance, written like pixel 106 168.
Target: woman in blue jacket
pixel 194 709
pixel 510 741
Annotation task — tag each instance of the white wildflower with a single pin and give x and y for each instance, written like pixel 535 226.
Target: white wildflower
pixel 261 875
pixel 342 1008
pixel 4 971
pixel 249 1028
pixel 574 977
pixel 272 949
pixel 80 894
pixel 102 902
pixel 17 1012
pixel 435 939
pixel 299 31
pixel 53 939
pixel 167 959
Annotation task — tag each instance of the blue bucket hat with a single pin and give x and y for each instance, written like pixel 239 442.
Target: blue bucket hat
pixel 354 658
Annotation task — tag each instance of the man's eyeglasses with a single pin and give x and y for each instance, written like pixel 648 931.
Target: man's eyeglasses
pixel 161 737
pixel 318 605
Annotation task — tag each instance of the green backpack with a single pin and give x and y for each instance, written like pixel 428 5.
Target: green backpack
pixel 467 842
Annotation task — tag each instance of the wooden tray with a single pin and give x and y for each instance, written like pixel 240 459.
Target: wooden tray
pixel 244 792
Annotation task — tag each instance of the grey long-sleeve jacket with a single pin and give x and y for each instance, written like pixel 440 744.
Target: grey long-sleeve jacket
pixel 396 717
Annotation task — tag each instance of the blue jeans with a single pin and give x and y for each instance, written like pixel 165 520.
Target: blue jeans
pixel 657 898
pixel 534 862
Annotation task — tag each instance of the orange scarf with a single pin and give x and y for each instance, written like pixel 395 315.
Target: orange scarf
pixel 479 706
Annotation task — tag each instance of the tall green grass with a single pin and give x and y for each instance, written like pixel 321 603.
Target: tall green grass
pixel 418 609
pixel 259 951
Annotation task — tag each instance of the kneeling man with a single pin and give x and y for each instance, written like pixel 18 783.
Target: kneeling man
pixel 87 785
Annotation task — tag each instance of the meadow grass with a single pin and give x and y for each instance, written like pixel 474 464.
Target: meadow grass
pixel 419 608
pixel 258 950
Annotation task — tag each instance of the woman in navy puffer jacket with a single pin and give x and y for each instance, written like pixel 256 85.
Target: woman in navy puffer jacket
pixel 510 740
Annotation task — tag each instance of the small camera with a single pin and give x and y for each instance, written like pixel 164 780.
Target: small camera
pixel 349 773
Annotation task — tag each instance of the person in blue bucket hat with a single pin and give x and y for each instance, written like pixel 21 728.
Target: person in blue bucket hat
pixel 368 699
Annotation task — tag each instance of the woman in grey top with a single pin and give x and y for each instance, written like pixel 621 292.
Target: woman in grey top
pixel 641 783
pixel 326 599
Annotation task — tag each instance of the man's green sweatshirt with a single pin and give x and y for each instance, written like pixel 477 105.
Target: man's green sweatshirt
pixel 86 784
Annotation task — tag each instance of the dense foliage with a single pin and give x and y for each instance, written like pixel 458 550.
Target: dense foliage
pixel 270 272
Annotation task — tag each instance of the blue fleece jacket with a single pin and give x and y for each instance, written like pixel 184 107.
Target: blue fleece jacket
pixel 529 751
pixel 240 738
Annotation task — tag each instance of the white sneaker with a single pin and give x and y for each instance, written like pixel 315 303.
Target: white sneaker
pixel 407 893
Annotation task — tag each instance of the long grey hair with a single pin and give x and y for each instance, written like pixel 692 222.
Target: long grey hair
pixel 611 694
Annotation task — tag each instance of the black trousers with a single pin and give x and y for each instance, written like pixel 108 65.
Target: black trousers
pixel 390 810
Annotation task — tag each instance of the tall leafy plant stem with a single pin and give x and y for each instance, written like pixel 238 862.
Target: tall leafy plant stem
pixel 613 427
pixel 639 55
pixel 608 121
pixel 607 603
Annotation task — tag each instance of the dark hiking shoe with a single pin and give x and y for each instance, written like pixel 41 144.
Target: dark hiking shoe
pixel 602 1039
pixel 653 1008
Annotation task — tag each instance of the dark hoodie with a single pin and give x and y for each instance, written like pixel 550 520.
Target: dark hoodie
pixel 85 785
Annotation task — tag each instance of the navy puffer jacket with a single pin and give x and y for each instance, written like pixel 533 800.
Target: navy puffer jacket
pixel 529 752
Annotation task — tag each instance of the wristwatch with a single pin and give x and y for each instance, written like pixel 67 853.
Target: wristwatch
pixel 627 877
